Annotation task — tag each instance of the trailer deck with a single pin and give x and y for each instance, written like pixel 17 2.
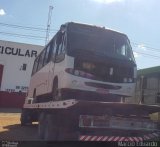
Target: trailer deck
pixel 116 107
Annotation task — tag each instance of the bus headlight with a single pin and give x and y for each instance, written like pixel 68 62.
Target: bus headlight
pixel 76 73
pixel 130 80
pixel 127 80
pixel 79 73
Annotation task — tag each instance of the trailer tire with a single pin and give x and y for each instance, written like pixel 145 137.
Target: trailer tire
pixel 56 130
pixel 41 125
pixel 22 119
pixel 25 118
pixel 68 127
pixel 51 129
pixel 67 134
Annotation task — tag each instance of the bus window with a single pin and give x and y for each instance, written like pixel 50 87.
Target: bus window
pixel 60 49
pixel 35 65
pixel 59 38
pixel 123 50
pixel 52 51
pixel 41 58
pixel 46 58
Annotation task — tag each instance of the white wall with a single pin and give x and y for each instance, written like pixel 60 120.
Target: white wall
pixel 13 55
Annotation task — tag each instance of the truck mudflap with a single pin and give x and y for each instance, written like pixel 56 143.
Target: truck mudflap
pixel 147 137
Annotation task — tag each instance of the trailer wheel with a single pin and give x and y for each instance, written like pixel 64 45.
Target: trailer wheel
pixel 51 129
pixel 68 127
pixel 41 125
pixel 67 134
pixel 25 118
pixel 56 130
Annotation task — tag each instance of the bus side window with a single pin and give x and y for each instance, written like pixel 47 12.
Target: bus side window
pixel 55 48
pixel 41 58
pixel 60 49
pixel 46 58
pixel 63 47
pixel 35 65
pixel 52 50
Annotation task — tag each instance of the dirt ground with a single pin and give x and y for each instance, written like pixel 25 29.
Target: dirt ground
pixel 10 128
pixel 24 136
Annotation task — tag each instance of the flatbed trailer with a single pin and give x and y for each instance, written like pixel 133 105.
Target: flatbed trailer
pixel 92 120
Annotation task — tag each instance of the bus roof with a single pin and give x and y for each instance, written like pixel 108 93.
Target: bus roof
pixel 94 26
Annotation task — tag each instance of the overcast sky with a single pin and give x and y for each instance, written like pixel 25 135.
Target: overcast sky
pixel 26 20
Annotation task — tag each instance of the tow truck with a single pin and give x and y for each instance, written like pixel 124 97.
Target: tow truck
pixel 91 120
pixel 76 85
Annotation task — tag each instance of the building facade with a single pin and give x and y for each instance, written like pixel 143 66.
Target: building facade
pixel 16 61
pixel 148 86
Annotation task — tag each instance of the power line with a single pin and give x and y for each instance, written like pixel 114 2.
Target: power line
pixel 24 36
pixel 40 29
pixel 21 27
pixel 25 27
pixel 151 48
pixel 148 48
pixel 42 38
pixel 148 55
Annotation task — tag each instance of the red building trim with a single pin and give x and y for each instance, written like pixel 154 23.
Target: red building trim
pixel 12 99
pixel 1 74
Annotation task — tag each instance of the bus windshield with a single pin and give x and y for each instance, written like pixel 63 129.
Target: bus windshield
pixel 102 42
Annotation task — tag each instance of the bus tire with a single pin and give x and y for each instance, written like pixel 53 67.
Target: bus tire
pixel 41 125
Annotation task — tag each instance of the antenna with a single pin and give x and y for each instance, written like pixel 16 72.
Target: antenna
pixel 48 24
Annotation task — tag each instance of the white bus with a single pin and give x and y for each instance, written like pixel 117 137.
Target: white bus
pixel 84 62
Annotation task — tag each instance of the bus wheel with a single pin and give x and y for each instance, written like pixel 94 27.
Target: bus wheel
pixel 55 91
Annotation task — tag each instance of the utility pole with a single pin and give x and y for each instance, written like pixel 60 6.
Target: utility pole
pixel 48 24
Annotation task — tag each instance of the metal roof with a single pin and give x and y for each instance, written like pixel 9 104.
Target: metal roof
pixel 149 71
